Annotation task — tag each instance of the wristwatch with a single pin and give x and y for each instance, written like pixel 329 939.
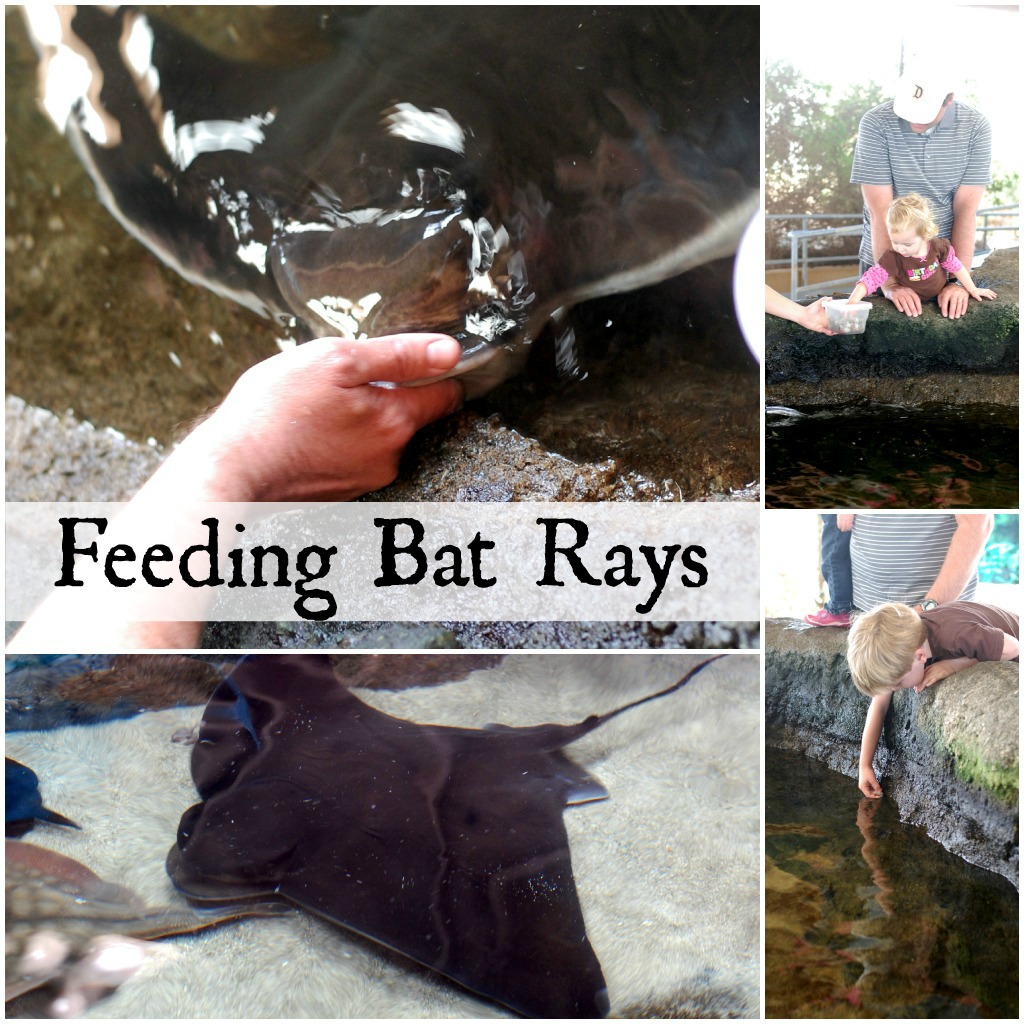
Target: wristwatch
pixel 928 604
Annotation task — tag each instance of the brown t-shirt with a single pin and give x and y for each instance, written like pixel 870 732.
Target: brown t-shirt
pixel 967 629
pixel 927 277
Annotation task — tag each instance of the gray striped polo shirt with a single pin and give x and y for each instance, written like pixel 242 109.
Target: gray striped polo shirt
pixel 898 557
pixel 957 151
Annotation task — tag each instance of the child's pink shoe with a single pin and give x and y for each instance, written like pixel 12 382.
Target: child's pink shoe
pixel 823 617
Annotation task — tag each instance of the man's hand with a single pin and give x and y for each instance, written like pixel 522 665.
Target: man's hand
pixel 305 425
pixel 953 301
pixel 868 783
pixel 906 300
pixel 844 521
pixel 310 424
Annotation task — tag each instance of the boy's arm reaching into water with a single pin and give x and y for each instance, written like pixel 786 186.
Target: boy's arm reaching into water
pixel 867 782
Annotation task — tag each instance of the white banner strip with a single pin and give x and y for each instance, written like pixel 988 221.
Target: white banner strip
pixel 472 562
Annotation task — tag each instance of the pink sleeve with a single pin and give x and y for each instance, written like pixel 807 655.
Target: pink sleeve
pixel 951 262
pixel 874 278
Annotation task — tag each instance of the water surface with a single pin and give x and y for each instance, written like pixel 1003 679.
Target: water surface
pixel 868 917
pixel 881 456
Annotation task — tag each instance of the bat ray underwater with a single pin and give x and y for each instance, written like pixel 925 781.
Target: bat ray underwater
pixel 476 171
pixel 23 801
pixel 444 844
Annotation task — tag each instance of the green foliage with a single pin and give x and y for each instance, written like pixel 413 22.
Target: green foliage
pixel 1005 187
pixel 810 132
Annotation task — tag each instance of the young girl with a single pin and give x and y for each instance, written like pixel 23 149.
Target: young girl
pixel 917 259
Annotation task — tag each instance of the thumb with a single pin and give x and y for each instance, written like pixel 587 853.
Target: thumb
pixel 396 358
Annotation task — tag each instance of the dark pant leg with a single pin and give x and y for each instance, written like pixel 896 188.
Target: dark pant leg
pixel 835 565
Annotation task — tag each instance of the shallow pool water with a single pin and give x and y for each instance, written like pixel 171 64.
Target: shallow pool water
pixel 882 456
pixel 869 917
pixel 666 869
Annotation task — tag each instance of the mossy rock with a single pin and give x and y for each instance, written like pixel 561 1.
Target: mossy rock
pixel 975 723
pixel 985 340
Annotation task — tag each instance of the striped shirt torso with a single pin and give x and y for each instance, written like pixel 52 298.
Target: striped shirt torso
pixel 898 557
pixel 958 151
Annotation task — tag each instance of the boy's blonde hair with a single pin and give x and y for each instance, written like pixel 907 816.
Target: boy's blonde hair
pixel 912 213
pixel 882 645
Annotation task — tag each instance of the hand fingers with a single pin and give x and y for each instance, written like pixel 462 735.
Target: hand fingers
pixel 398 358
pixel 906 303
pixel 955 303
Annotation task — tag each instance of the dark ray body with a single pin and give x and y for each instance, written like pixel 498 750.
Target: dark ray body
pixel 472 170
pixel 23 804
pixel 444 844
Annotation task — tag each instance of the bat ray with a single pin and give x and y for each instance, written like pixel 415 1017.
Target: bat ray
pixel 23 801
pixel 477 171
pixel 444 844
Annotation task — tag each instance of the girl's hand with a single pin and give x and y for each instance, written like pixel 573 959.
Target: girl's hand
pixel 983 293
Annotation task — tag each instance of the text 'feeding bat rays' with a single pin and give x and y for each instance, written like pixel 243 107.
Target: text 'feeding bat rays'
pixel 475 171
pixel 444 844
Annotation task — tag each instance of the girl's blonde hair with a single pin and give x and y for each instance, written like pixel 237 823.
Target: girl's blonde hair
pixel 882 645
pixel 912 213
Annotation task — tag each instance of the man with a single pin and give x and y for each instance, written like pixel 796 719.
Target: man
pixel 868 559
pixel 919 559
pixel 923 141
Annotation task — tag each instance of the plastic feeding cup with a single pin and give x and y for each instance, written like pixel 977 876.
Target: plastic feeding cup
pixel 847 317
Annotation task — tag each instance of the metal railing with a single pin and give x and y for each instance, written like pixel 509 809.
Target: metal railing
pixel 991 220
pixel 1010 215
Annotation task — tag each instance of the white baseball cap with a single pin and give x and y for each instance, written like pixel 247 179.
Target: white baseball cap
pixel 920 95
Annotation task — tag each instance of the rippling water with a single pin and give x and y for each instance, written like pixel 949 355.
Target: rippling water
pixel 96 324
pixel 868 917
pixel 873 456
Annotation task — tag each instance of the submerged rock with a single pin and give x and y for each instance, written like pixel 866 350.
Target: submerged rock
pixel 948 756
pixel 906 359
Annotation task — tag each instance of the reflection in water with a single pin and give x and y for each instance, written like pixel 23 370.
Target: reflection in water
pixel 893 457
pixel 868 917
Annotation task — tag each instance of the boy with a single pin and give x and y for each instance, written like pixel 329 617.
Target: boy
pixel 892 647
